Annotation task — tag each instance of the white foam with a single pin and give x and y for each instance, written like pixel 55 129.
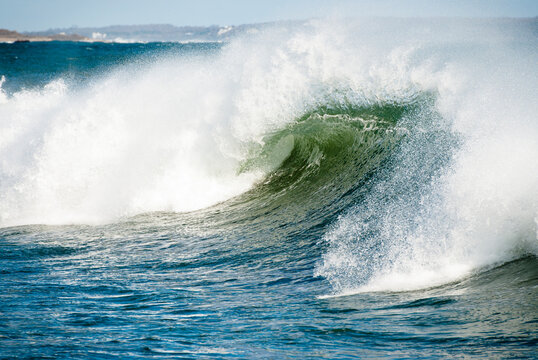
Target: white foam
pixel 483 208
pixel 171 135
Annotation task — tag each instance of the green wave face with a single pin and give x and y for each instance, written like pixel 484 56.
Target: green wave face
pixel 321 145
pixel 316 162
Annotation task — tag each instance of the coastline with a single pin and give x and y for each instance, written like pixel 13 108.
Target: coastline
pixel 8 36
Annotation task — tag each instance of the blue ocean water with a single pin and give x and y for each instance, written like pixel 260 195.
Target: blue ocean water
pixel 358 190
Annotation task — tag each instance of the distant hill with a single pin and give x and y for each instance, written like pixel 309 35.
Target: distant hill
pixel 12 36
pixel 157 32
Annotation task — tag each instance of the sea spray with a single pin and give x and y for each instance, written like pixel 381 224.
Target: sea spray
pixel 448 186
pixel 171 135
pixel 479 209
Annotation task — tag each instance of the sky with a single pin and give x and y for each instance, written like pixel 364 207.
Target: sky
pixel 35 15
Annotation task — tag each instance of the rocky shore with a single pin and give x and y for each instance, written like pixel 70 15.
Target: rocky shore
pixel 13 36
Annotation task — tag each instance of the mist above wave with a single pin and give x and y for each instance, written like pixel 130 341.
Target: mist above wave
pixel 171 135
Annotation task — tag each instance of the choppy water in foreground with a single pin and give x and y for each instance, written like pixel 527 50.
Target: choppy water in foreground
pixel 319 191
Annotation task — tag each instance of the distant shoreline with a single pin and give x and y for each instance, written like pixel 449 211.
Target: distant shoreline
pixel 8 36
pixel 138 33
pixel 214 33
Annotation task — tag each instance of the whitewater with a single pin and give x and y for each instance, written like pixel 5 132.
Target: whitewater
pixel 329 188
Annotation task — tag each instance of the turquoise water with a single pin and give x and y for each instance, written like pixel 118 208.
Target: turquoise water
pixel 364 190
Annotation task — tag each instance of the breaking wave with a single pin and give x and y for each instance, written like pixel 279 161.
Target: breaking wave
pixel 417 147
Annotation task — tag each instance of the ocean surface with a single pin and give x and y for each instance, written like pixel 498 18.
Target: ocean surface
pixel 328 189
